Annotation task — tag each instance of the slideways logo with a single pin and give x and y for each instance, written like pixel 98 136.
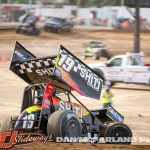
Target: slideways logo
pixel 9 139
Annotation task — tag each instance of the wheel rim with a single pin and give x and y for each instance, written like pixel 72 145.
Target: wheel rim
pixel 72 129
pixel 118 134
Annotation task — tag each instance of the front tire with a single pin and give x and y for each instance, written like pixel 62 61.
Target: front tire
pixel 62 124
pixel 8 123
pixel 118 133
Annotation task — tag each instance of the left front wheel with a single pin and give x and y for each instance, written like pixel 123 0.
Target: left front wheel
pixel 8 123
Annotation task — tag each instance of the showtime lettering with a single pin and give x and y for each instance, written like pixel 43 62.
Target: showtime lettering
pixel 91 79
pixel 48 71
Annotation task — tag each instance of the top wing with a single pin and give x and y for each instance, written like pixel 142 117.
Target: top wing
pixel 66 71
pixel 77 74
pixel 30 68
pixel 35 70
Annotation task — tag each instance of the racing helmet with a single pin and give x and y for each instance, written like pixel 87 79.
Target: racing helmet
pixel 50 89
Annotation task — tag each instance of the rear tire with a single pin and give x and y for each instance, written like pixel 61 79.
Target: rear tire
pixel 63 123
pixel 118 133
pixel 8 123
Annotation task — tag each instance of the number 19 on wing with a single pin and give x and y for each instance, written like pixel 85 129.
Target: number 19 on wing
pixel 66 62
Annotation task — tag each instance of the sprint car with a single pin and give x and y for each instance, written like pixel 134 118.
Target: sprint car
pixel 96 50
pixel 28 26
pixel 50 105
pixel 58 25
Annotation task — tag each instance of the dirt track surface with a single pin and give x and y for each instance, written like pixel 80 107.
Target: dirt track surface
pixel 119 42
pixel 82 146
pixel 134 105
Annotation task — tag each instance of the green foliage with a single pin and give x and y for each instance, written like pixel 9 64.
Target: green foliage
pixel 96 3
pixel 88 3
pixel 23 1
pixel 82 3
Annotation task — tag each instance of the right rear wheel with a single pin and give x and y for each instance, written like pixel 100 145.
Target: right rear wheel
pixel 63 124
pixel 118 133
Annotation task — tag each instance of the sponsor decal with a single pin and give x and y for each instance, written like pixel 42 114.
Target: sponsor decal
pixel 138 71
pixel 46 71
pixel 12 138
pixel 112 113
pixel 71 106
pixel 77 74
pixel 46 102
pixel 68 64
pixel 20 55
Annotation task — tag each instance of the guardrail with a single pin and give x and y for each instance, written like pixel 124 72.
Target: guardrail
pixel 14 25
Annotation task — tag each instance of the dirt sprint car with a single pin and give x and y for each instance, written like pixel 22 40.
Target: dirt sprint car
pixel 58 25
pixel 49 106
pixel 28 26
pixel 96 50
